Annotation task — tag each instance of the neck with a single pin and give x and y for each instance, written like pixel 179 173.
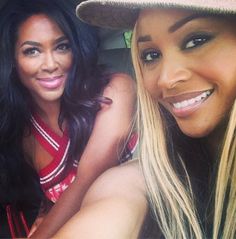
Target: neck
pixel 49 113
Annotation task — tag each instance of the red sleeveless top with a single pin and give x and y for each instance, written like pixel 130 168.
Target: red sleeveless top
pixel 60 172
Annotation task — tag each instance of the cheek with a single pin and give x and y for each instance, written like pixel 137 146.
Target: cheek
pixel 150 84
pixel 229 91
pixel 67 62
pixel 223 75
pixel 220 63
pixel 26 69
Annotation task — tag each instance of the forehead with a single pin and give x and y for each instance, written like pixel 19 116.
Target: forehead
pixel 163 12
pixel 38 25
pixel 161 19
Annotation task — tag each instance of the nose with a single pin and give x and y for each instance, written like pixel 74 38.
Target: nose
pixel 50 63
pixel 173 72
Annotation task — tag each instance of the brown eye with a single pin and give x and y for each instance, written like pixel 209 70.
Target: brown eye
pixel 64 47
pixel 149 56
pixel 196 41
pixel 32 51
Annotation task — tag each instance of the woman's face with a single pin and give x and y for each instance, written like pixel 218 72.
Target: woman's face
pixel 188 62
pixel 43 58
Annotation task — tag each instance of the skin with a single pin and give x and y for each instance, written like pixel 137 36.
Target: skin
pixel 115 210
pixel 43 58
pixel 182 61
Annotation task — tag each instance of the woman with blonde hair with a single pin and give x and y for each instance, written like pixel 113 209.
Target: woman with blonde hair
pixel 184 58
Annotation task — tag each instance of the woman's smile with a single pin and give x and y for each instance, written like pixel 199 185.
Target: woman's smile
pixel 190 70
pixel 51 83
pixel 43 60
pixel 185 104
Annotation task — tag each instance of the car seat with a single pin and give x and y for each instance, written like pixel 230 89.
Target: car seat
pixel 113 51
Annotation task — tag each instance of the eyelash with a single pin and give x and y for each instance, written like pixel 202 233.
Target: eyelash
pixel 31 51
pixel 152 53
pixel 197 39
pixel 64 47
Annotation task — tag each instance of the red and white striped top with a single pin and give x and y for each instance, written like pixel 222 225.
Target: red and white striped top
pixel 60 172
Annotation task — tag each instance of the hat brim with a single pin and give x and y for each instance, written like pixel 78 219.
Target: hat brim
pixel 123 13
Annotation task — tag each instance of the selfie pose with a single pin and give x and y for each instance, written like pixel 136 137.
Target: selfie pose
pixel 184 58
pixel 61 114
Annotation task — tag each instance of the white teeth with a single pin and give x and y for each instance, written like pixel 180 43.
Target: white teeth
pixel 184 103
pixel 198 98
pixel 191 101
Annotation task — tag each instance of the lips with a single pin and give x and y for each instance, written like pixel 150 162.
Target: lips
pixel 185 104
pixel 192 101
pixel 51 83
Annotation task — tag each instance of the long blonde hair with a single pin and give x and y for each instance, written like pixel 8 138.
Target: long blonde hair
pixel 172 200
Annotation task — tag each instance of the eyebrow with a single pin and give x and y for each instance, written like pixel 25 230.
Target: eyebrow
pixel 175 26
pixel 37 44
pixel 185 20
pixel 144 38
pixel 32 43
pixel 60 39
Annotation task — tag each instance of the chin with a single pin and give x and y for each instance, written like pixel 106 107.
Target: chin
pixel 196 132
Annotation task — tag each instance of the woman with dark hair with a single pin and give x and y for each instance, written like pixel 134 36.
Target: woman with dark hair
pixel 60 114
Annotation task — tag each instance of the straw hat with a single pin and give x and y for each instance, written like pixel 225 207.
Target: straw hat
pixel 123 13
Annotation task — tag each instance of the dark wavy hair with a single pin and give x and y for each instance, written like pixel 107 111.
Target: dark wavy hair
pixel 79 103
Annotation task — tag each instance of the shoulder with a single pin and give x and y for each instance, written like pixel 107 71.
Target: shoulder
pixel 118 201
pixel 121 78
pixel 120 83
pixel 115 206
pixel 125 181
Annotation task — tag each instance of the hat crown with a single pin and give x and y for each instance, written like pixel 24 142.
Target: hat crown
pixel 123 13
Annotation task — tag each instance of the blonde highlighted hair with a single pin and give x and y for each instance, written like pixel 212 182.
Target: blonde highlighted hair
pixel 172 200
